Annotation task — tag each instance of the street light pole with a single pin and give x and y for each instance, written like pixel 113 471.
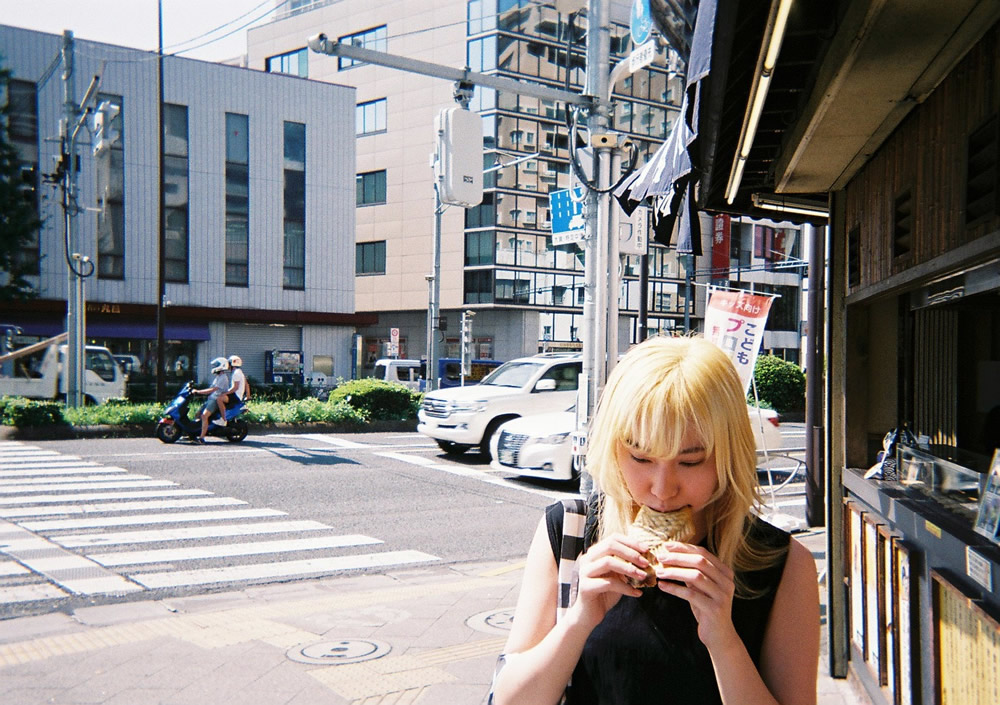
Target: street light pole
pixel 161 286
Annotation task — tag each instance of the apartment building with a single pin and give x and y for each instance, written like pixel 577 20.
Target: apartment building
pixel 497 259
pixel 259 209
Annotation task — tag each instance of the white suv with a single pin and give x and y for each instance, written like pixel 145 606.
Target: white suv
pixel 462 417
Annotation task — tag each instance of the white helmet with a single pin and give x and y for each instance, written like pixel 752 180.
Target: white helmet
pixel 235 361
pixel 219 364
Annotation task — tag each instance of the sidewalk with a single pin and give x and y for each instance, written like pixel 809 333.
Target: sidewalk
pixel 428 635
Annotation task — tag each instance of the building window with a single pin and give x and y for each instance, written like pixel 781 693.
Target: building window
pixel 370 117
pixel 175 204
pixel 22 130
pixel 295 206
pixel 371 188
pixel 482 16
pixel 479 286
pixel 111 190
pixel 374 39
pixel 295 63
pixel 237 200
pixel 479 248
pixel 369 257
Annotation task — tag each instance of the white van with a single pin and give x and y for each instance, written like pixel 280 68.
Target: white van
pixel 409 373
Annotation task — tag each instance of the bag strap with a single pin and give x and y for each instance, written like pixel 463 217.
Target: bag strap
pixel 571 546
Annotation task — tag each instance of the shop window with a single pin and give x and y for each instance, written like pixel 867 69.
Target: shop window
pixel 902 224
pixel 982 173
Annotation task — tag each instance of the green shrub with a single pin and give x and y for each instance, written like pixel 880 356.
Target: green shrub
pixel 28 412
pixel 780 385
pixel 379 400
pixel 114 413
pixel 312 410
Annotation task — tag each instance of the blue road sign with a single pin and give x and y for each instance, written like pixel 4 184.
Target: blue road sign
pixel 567 213
pixel 640 22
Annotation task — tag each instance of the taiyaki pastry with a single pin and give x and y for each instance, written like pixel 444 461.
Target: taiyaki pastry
pixel 655 528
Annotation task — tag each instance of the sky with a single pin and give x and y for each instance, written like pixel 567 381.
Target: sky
pixel 133 23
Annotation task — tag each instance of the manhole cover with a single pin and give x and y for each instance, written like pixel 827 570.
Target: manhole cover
pixel 492 622
pixel 332 653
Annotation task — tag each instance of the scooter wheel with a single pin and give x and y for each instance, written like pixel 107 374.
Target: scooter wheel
pixel 168 432
pixel 236 430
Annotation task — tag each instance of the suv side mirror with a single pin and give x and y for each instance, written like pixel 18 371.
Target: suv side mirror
pixel 545 385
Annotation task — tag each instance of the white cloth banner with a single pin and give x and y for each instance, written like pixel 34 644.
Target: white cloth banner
pixel 734 320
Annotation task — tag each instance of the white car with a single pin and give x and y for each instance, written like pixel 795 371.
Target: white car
pixel 541 445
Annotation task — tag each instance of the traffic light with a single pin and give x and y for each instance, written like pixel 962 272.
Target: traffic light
pixel 29 185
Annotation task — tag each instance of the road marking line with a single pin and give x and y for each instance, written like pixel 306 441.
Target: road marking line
pixel 321 438
pixel 20 481
pixel 72 470
pixel 11 568
pixel 72 572
pixel 171 518
pixel 231 549
pixel 30 593
pixel 51 499
pixel 21 512
pixel 207 576
pixel 199 532
pixel 24 489
pixel 433 464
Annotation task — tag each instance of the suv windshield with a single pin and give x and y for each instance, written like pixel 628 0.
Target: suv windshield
pixel 512 374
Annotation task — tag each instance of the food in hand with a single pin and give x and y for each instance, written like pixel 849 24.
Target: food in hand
pixel 654 529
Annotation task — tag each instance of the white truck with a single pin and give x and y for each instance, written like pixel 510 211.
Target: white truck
pixel 36 372
pixel 459 418
pixel 406 372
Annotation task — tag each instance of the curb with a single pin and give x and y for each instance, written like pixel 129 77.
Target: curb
pixel 59 433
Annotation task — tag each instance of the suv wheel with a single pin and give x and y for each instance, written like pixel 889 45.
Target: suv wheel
pixel 452 448
pixel 484 445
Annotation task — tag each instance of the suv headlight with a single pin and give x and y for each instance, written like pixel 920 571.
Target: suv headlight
pixel 555 439
pixel 466 407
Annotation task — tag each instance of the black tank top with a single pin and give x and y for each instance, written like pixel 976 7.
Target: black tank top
pixel 647 648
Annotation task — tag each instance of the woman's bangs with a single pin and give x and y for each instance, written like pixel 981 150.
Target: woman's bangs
pixel 658 421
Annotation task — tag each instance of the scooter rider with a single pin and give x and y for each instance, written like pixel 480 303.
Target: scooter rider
pixel 220 383
pixel 240 387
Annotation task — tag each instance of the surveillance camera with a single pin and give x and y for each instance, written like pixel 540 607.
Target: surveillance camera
pixel 318 43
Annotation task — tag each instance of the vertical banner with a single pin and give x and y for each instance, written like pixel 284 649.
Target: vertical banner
pixel 721 228
pixel 734 320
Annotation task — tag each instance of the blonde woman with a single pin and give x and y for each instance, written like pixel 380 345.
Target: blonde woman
pixel 734 615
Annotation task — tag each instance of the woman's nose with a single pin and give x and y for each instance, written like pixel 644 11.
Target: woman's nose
pixel 664 482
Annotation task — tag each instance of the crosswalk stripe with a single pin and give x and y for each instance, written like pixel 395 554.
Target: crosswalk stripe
pixel 199 532
pixel 10 568
pixel 82 497
pixel 100 477
pixel 258 571
pixel 23 489
pixel 171 518
pixel 30 593
pixel 71 470
pixel 21 512
pixel 33 459
pixel 339 442
pixel 228 550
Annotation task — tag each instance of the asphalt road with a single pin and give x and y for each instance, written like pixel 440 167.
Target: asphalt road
pixel 97 521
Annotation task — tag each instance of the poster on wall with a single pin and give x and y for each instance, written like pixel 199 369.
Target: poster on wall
pixel 903 611
pixel 967 650
pixel 873 601
pixel 988 519
pixel 889 611
pixel 856 577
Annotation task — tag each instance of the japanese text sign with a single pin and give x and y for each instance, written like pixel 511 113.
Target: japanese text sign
pixel 734 320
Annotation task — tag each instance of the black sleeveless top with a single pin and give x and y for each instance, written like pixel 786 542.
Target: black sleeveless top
pixel 649 645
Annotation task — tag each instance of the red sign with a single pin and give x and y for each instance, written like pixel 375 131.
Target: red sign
pixel 721 228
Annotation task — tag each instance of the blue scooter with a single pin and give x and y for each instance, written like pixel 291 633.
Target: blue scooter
pixel 176 421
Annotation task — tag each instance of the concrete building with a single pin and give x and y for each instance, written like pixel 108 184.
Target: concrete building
pixel 497 259
pixel 259 209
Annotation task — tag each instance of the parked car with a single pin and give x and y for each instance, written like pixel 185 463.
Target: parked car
pixel 462 417
pixel 541 445
pixel 130 364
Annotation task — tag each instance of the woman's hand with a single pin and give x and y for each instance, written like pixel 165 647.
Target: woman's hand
pixel 603 570
pixel 698 576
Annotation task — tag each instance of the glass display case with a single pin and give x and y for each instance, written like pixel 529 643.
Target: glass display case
pixel 953 477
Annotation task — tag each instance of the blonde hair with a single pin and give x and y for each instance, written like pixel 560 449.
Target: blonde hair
pixel 656 391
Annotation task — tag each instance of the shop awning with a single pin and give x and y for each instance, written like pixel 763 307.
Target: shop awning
pixel 119 328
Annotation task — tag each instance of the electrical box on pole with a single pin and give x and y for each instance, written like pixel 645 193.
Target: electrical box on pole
pixel 459 165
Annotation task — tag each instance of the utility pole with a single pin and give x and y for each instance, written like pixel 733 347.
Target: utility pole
pixel 161 277
pixel 79 266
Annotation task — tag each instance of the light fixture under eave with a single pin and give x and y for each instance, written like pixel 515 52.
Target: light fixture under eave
pixel 786 204
pixel 774 33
